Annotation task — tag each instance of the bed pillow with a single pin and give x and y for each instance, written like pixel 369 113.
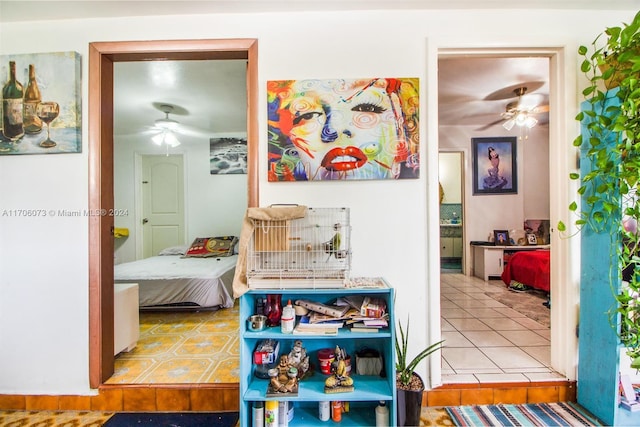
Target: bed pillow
pixel 212 246
pixel 174 250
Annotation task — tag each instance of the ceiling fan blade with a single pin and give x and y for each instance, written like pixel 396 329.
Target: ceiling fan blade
pixel 529 101
pixel 487 126
pixel 540 109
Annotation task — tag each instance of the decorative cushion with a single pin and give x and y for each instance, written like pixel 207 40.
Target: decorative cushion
pixel 174 250
pixel 212 246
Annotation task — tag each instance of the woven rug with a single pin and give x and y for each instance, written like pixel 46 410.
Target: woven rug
pixel 173 419
pixel 528 303
pixel 541 414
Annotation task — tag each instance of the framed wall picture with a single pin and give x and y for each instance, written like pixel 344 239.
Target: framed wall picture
pixel 501 237
pixel 343 129
pixel 228 156
pixel 494 165
pixel 47 118
pixel 532 239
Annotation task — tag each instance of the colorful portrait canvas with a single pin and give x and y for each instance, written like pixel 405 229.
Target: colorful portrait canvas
pixel 56 126
pixel 343 129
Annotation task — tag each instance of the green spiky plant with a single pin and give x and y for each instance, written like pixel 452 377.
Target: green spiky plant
pixel 611 143
pixel 405 369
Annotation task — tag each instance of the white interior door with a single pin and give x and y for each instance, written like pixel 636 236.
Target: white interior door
pixel 162 203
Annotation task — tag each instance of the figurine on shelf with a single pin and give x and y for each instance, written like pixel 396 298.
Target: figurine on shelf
pixel 339 381
pixel 298 358
pixel 283 378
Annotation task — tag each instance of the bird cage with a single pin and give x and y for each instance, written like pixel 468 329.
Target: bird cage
pixel 309 252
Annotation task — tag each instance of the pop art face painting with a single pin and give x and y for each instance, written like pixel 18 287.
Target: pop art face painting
pixel 343 129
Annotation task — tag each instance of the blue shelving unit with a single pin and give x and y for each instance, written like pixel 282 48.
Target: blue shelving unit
pixel 369 390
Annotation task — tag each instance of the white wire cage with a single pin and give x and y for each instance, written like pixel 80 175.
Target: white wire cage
pixel 310 252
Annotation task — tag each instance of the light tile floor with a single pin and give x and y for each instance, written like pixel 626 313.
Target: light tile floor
pixel 486 341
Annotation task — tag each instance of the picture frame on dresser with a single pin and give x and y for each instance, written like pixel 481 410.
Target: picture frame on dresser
pixel 501 237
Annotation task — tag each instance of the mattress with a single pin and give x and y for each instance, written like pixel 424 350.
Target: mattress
pixel 174 280
pixel 531 268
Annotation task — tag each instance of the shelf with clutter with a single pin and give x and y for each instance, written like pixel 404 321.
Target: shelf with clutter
pixel 342 355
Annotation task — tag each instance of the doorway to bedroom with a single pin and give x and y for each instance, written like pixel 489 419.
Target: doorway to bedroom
pixel 488 339
pixel 102 58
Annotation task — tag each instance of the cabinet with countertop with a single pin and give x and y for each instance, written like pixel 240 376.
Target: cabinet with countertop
pixel 490 260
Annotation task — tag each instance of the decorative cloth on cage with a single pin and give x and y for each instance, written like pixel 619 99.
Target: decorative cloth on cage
pixel 279 213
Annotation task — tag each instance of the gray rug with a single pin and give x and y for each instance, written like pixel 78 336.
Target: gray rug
pixel 529 303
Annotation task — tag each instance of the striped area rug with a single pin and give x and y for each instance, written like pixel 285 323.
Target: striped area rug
pixel 541 414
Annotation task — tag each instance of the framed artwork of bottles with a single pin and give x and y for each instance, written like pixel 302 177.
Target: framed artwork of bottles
pixel 41 103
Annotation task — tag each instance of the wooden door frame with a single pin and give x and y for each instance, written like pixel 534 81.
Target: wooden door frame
pixel 102 56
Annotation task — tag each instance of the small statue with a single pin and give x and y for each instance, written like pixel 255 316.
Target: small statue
pixel 284 378
pixel 298 358
pixel 339 381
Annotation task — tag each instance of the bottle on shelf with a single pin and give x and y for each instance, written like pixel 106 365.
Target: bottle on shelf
pixel 324 410
pixel 271 413
pixel 336 411
pixel 273 309
pixel 32 97
pixel 382 414
pixel 12 106
pixel 257 414
pixel 288 320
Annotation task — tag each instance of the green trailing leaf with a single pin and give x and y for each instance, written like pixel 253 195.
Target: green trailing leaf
pixel 610 143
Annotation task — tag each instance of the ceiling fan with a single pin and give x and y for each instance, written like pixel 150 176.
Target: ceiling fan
pixel 522 111
pixel 166 128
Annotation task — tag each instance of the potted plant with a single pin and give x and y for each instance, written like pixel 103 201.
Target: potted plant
pixel 611 143
pixel 409 384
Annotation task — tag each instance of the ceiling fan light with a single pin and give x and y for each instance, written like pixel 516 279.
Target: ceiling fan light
pixel 171 140
pixel 166 137
pixel 530 122
pixel 166 124
pixel 159 138
pixel 521 118
pixel 508 125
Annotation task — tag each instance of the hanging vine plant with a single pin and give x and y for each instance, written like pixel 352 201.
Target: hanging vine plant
pixel 610 142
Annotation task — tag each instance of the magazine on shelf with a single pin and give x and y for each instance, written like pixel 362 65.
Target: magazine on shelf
pixel 310 329
pixel 331 310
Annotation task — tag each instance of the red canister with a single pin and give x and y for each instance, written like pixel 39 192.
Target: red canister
pixel 326 356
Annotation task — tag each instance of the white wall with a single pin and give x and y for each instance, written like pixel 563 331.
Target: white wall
pixel 214 204
pixel 43 261
pixel 450 176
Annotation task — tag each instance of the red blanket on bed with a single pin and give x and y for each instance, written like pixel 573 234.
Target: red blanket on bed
pixel 530 268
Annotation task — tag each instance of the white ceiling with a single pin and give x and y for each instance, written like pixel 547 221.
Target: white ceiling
pixel 209 97
pixel 23 10
pixel 475 91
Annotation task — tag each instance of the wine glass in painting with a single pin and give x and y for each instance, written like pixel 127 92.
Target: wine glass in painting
pixel 48 111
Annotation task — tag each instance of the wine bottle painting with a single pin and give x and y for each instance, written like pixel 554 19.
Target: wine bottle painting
pixel 40 103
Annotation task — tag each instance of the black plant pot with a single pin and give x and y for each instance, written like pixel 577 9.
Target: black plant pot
pixel 409 405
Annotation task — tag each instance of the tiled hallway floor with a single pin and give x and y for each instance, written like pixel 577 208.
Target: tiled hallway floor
pixel 485 340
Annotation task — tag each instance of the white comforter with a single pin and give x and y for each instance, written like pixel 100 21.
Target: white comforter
pixel 172 279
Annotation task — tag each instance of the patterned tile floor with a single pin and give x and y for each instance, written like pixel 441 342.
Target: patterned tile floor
pixel 182 347
pixel 428 417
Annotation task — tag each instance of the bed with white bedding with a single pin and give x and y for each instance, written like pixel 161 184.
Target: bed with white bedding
pixel 175 281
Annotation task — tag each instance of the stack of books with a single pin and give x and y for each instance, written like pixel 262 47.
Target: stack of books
pixel 360 315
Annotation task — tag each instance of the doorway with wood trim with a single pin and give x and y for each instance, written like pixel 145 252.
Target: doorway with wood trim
pixel 102 56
